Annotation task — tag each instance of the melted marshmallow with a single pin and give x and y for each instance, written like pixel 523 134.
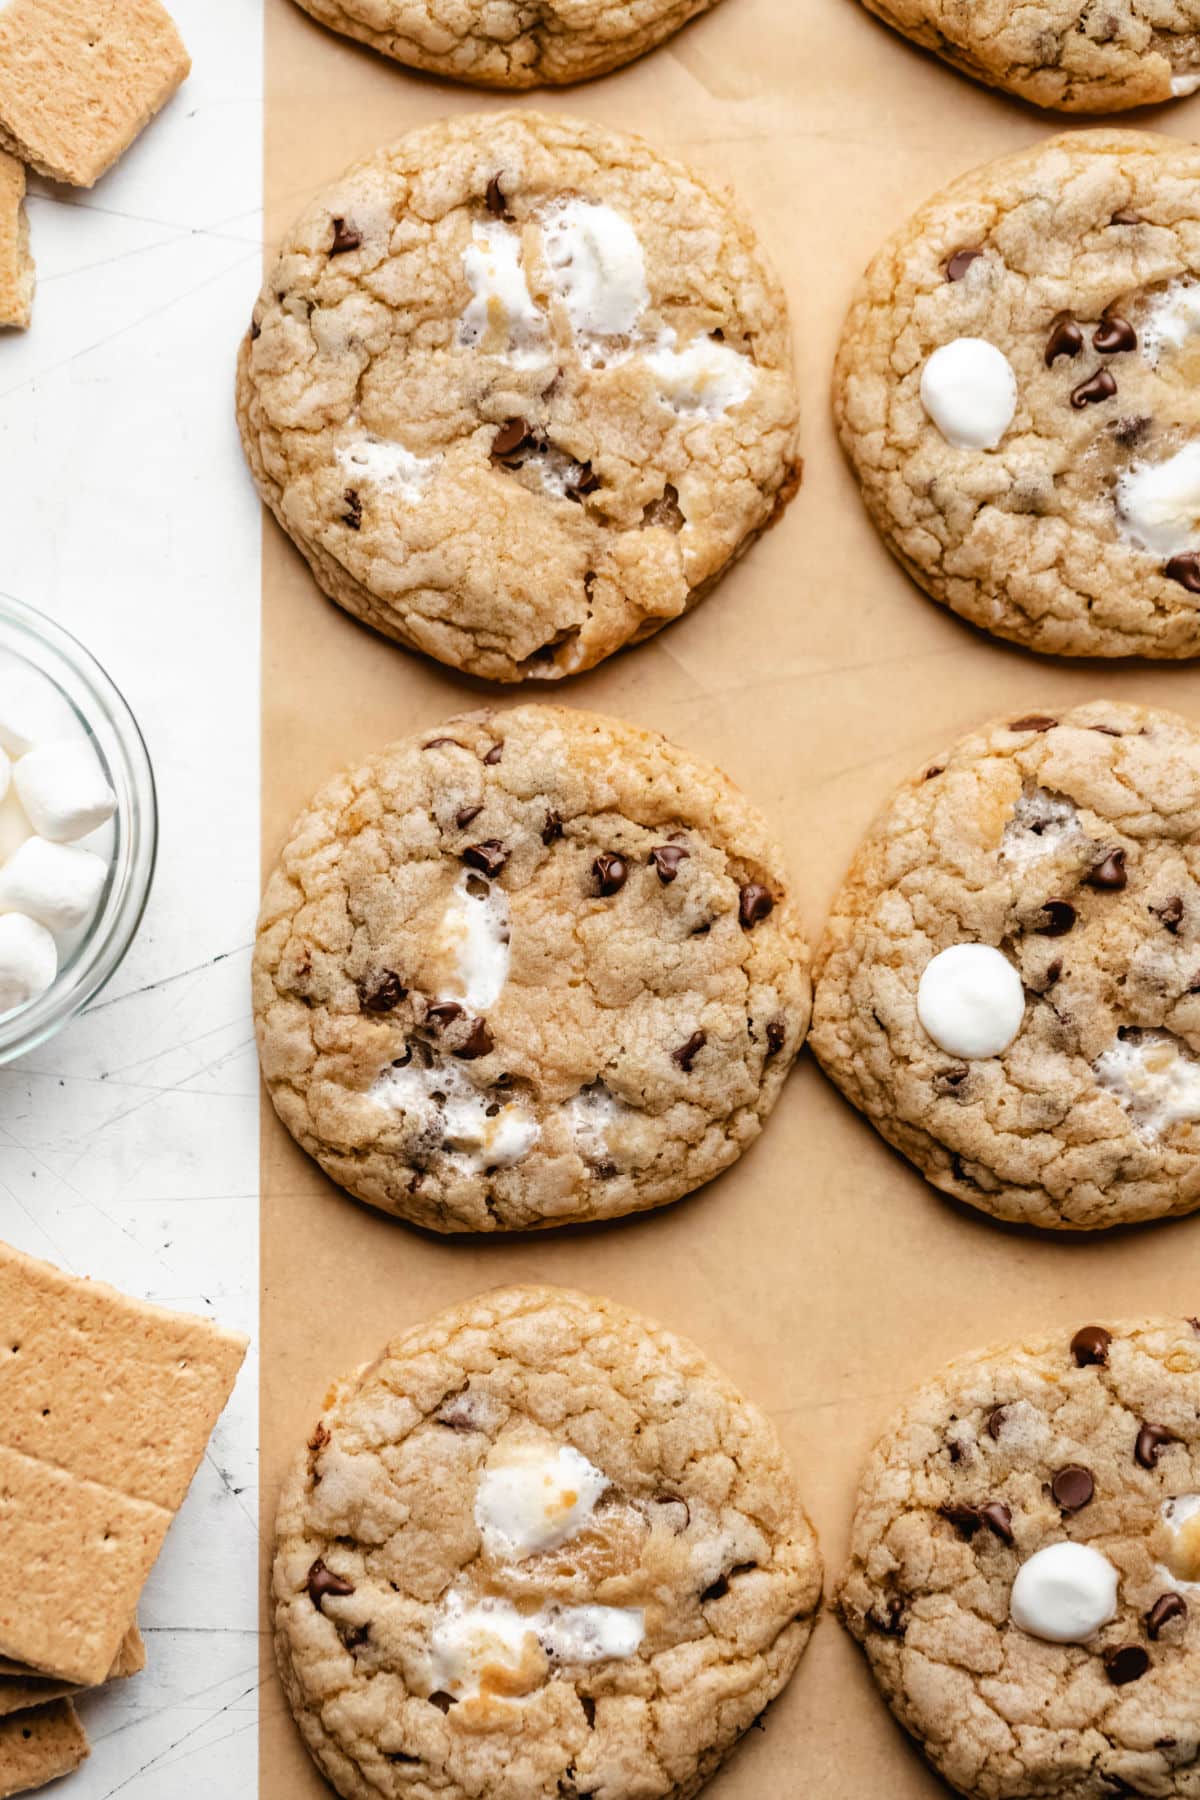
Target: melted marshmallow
pixel 970 1000
pixel 490 1647
pixel 597 268
pixel 387 465
pixel 1181 85
pixel 481 1133
pixel 970 392
pixel 1181 1517
pixel 533 1497
pixel 501 318
pixel 1159 503
pixel 591 1114
pixel 474 938
pixel 1064 1594
pixel 591 1634
pixel 705 377
pixel 1155 1078
pixel 1041 823
pixel 1171 320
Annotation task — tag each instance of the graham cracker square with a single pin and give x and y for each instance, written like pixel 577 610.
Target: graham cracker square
pixel 22 1687
pixel 79 79
pixel 16 262
pixel 37 1747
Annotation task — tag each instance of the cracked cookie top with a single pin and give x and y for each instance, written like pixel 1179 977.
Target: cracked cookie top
pixel 1017 391
pixel 520 390
pixel 539 1548
pixel 509 43
pixel 528 968
pixel 1009 982
pixel 1025 1566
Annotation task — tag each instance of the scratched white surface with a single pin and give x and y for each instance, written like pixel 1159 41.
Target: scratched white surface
pixel 129 1146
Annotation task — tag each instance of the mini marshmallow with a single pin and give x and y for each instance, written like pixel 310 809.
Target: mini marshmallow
pixel 1160 502
pixel 26 716
pixel 706 377
pixel 473 936
pixel 970 1000
pixel 56 884
pixel 62 788
pixel 970 392
pixel 532 1497
pixel 597 266
pixel 501 318
pixel 28 961
pixel 387 465
pixel 590 1634
pixel 1064 1594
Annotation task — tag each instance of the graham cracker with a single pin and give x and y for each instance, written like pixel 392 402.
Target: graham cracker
pixel 106 1406
pixel 16 262
pixel 22 1687
pixel 79 79
pixel 38 1746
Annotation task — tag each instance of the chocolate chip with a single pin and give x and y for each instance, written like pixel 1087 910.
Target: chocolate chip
pixel 960 262
pixel 1073 1488
pixel 1091 392
pixel 1125 217
pixel 437 742
pixel 936 770
pixel 345 237
pixel 1066 339
pixel 1059 915
pixel 967 1520
pixel 998 1519
pixel 666 859
pixel 687 1053
pixel 510 437
pixel 1170 913
pixel 255 331
pixel 355 1637
pixel 995 1422
pixel 479 1042
pixel 1166 1609
pixel 442 1701
pixel 465 814
pixel 1126 1663
pixel 1050 976
pixel 948 1081
pixel 1152 1440
pixel 892 1622
pixel 552 829
pixel 489 857
pixel 611 872
pixel 1090 1346
pixel 1109 872
pixel 1034 722
pixel 776 1037
pixel 754 903
pixel 493 756
pixel 1185 570
pixel 955 1450
pixel 353 513
pixel 382 994
pixel 584 481
pixel 494 199
pixel 1114 335
pixel 323 1583
pixel 443 1013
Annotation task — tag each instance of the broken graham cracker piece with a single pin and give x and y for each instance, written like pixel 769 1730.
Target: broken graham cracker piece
pixel 37 1747
pixel 22 1687
pixel 16 262
pixel 79 79
pixel 106 1407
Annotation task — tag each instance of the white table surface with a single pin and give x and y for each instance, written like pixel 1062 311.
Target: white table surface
pixel 129 1145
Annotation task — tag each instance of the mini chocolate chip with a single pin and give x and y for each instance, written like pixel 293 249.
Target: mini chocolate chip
pixel 1059 915
pixel 353 513
pixel 1152 1440
pixel 1091 392
pixel 892 1623
pixel 937 769
pixel 1166 1609
pixel 442 1701
pixel 255 331
pixel 960 262
pixel 1107 730
pixel 955 1449
pixel 948 1081
pixel 510 437
pixel 1034 722
pixel 322 1583
pixel 552 829
pixel 1114 335
pixel 1066 339
pixel 1090 1345
pixel 666 859
pixel 998 1519
pixel 494 199
pixel 1170 913
pixel 345 237
pixel 437 742
pixel 611 872
pixel 465 814
pixel 493 755
pixel 1185 570
pixel 1051 975
pixel 382 994
pixel 995 1421
pixel 489 857
pixel 966 1520
pixel 754 903
pixel 479 1042
pixel 356 1636
pixel 1125 217
pixel 687 1053
pixel 776 1037
pixel 585 481
pixel 443 1013
pixel 1109 872
pixel 717 1591
pixel 1125 1663
pixel 1073 1488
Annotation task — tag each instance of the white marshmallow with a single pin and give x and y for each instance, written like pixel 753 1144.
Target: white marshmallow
pixel 596 264
pixel 472 1646
pixel 28 961
pixel 1181 1516
pixel 26 712
pixel 970 1000
pixel 706 377
pixel 1172 318
pixel 1160 502
pixel 63 790
pixel 1041 824
pixel 970 392
pixel 590 1634
pixel 1155 1077
pixel 442 1097
pixel 501 318
pixel 1064 1594
pixel 474 937
pixel 56 884
pixel 387 465
pixel 591 1115
pixel 532 1497
pixel 1182 85
pixel 14 826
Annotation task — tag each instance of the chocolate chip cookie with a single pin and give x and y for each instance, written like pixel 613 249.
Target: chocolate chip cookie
pixel 1074 55
pixel 528 968
pixel 509 43
pixel 1009 982
pixel 1025 1566
pixel 520 390
pixel 539 1549
pixel 1017 391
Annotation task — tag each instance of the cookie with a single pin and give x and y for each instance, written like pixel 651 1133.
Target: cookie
pixel 79 79
pixel 1072 55
pixel 540 1547
pixel 1009 982
pixel 520 390
pixel 1024 1572
pixel 17 274
pixel 509 45
pixel 528 968
pixel 1017 391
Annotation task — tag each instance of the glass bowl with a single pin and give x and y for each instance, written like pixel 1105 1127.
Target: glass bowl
pixel 98 951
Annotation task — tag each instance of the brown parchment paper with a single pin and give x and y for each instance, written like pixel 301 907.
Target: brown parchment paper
pixel 821 1271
